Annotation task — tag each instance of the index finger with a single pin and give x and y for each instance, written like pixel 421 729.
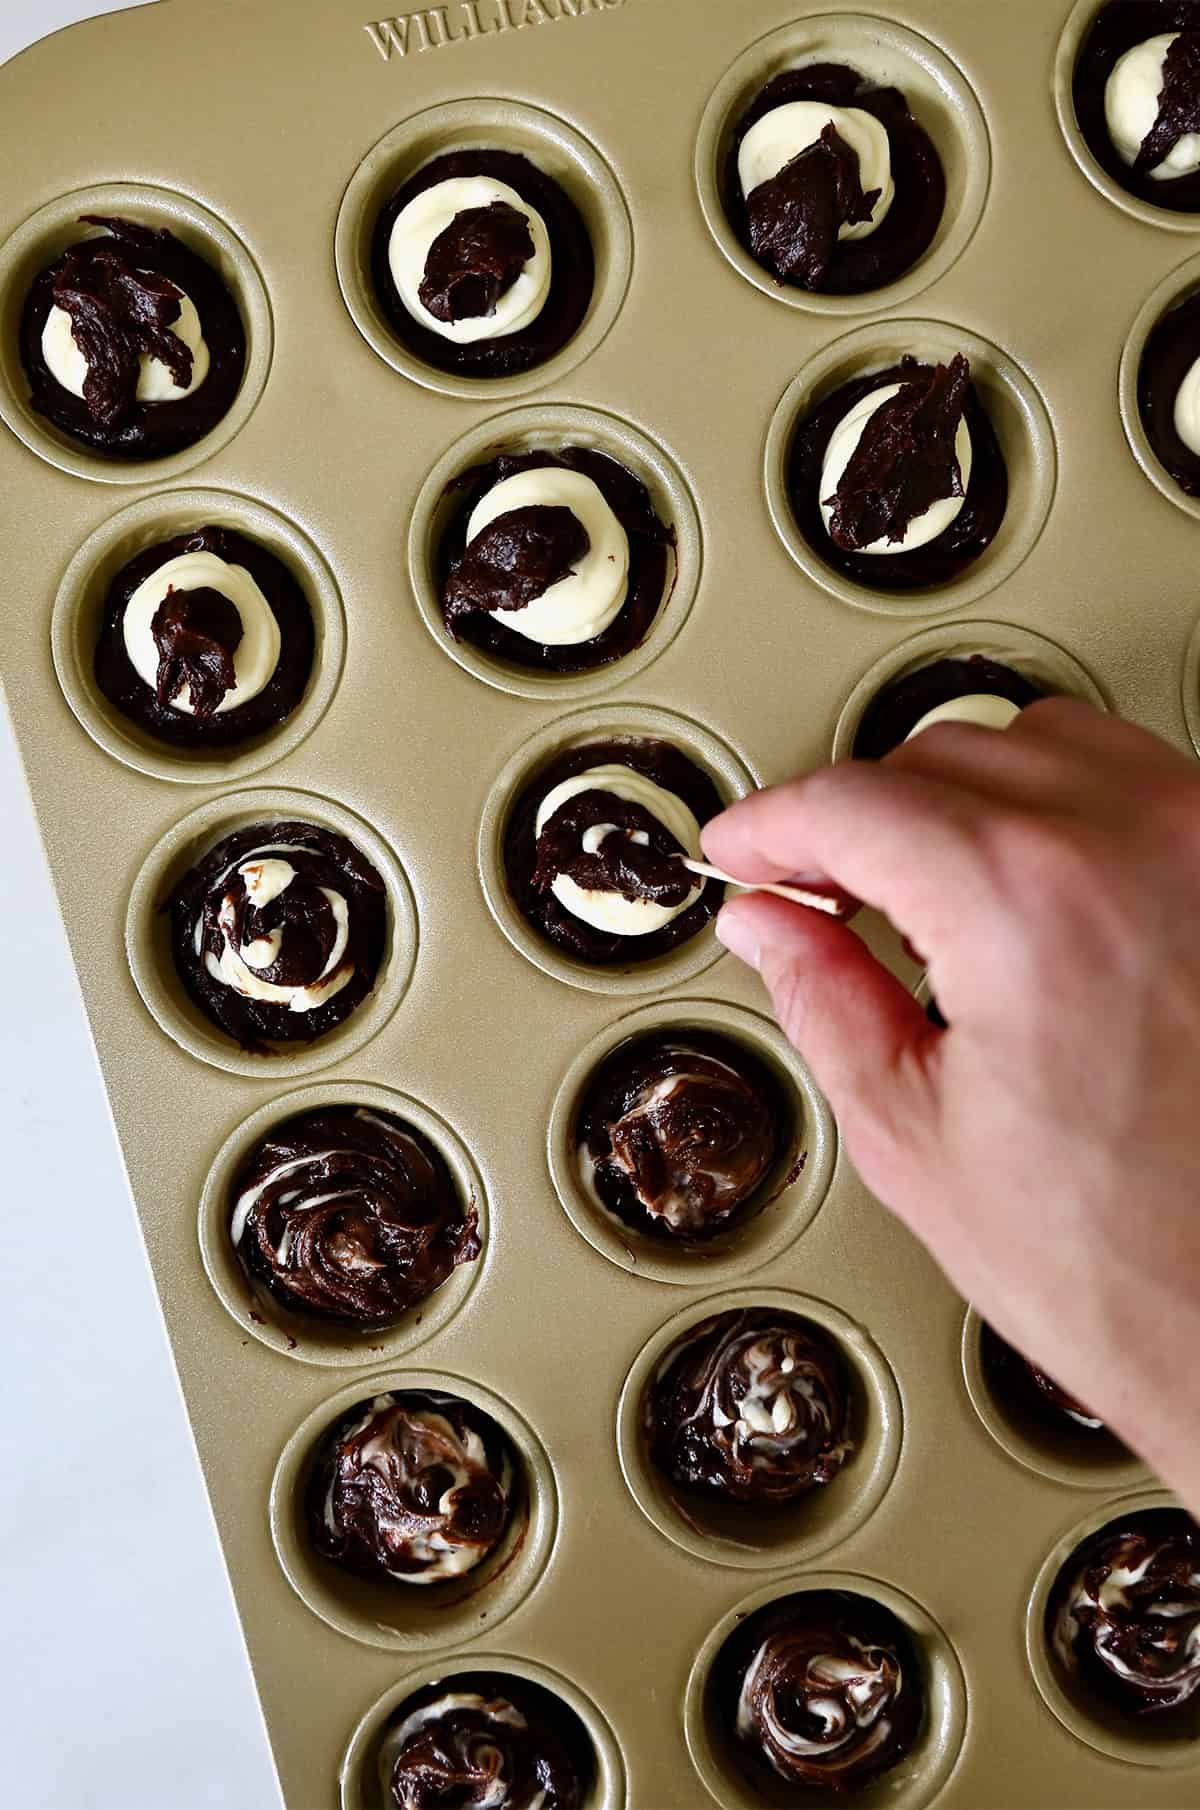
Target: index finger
pixel 905 843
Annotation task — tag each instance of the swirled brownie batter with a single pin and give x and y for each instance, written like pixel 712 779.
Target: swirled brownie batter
pixel 1136 91
pixel 962 688
pixel 1168 392
pixel 206 640
pixel 417 1487
pixel 821 1689
pixel 1123 1618
pixel 348 1213
pixel 553 560
pixel 485 1741
pixel 1020 1385
pixel 678 1134
pixel 592 850
pixel 278 932
pixel 482 264
pixel 897 479
pixel 830 183
pixel 131 342
pixel 750 1406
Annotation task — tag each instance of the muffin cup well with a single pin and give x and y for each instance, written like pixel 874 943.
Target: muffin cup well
pixel 1039 659
pixel 148 934
pixel 406 1617
pixel 1074 33
pixel 1093 1722
pixel 940 97
pixel 729 772
pixel 304 1336
pixel 1085 1461
pixel 1179 286
pixel 360 1785
pixel 547 427
pixel 45 236
pixel 79 612
pixel 788 1199
pixel 909 1785
pixel 557 149
pixel 1015 409
pixel 732 1534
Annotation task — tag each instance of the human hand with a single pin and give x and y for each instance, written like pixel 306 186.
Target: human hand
pixel 1044 1147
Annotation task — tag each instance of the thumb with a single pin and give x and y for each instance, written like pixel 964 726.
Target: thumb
pixel 864 1036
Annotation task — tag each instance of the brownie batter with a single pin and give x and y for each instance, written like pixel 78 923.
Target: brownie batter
pixel 621 865
pixel 121 290
pixel 750 1406
pixel 485 1741
pixel 898 707
pixel 1172 348
pixel 1118 27
pixel 1123 1618
pixel 416 1487
pixel 821 1689
pixel 678 1132
pixel 511 562
pixel 307 908
pixel 469 267
pixel 791 229
pixel 348 1213
pixel 896 466
pixel 198 633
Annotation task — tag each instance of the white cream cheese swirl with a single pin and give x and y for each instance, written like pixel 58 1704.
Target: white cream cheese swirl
pixel 843 443
pixel 780 135
pixel 68 366
pixel 609 911
pixel 257 653
pixel 266 872
pixel 426 216
pixel 583 604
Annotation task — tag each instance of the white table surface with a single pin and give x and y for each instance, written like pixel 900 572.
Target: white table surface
pixel 123 1678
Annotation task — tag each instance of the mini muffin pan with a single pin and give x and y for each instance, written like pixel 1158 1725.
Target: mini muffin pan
pixel 693 369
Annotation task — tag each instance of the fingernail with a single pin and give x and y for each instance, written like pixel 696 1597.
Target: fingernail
pixel 738 936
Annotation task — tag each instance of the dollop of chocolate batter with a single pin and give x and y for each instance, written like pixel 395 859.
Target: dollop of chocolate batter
pixel 1178 102
pixel 485 1741
pixel 417 1487
pixel 1021 1387
pixel 214 915
pixel 1116 28
pixel 348 1213
pixel 474 260
pixel 516 558
pixel 905 460
pixel 792 232
pixel 1123 1618
pixel 196 628
pixel 822 1689
pixel 122 292
pixel 750 1406
pixel 504 587
pixel 679 1132
pixel 938 561
pixel 898 707
pixel 1172 348
pixel 197 632
pixel 668 767
pixel 794 217
pixel 572 268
